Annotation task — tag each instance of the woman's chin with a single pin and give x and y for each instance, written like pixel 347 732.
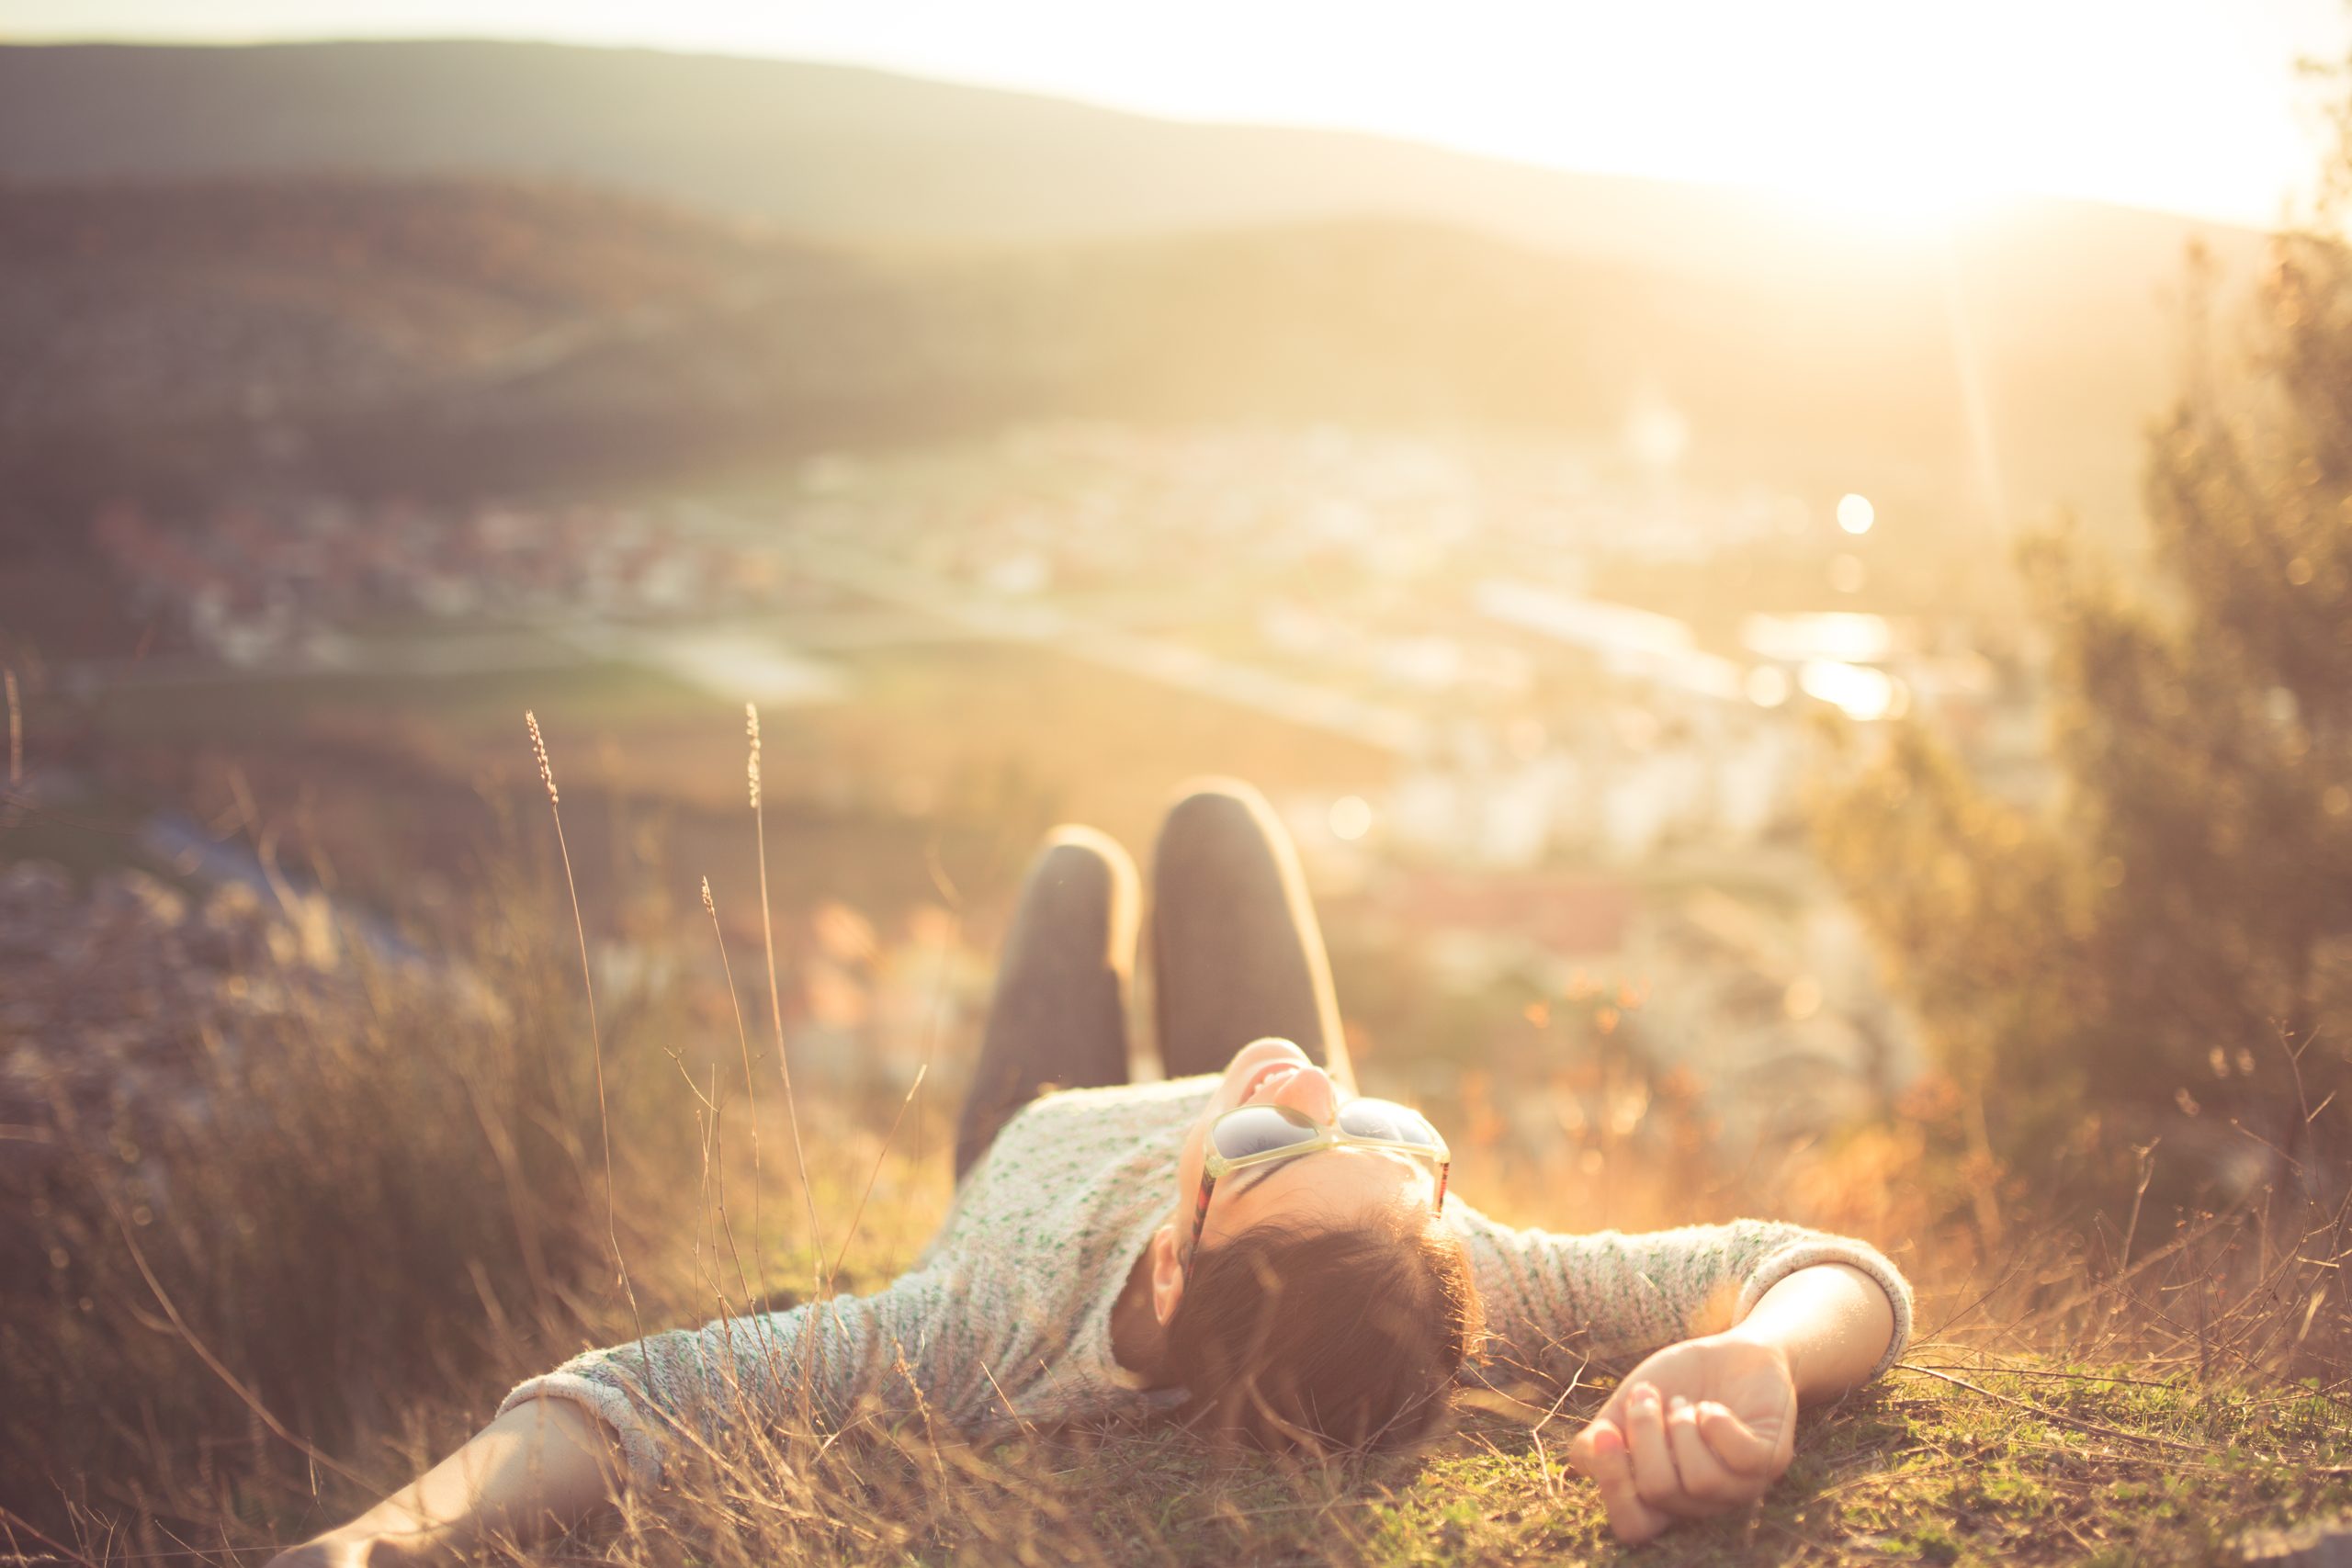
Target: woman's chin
pixel 1249 1072
pixel 1260 1052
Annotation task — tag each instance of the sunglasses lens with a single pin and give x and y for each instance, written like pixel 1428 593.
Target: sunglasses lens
pixel 1387 1120
pixel 1258 1129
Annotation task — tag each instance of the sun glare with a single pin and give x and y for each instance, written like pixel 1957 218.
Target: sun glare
pixel 1906 214
pixel 1906 187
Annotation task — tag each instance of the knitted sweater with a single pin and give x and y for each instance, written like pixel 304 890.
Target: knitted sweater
pixel 1005 1318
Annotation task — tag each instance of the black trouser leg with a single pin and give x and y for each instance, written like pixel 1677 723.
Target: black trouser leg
pixel 1058 1018
pixel 1235 952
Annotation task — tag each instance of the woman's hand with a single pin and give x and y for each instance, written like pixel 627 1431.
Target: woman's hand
pixel 532 1471
pixel 1698 1429
pixel 1706 1426
pixel 336 1549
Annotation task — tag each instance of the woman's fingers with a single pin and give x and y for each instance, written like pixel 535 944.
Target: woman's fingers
pixel 1654 1477
pixel 1707 1482
pixel 1600 1453
pixel 1657 1458
pixel 1734 1442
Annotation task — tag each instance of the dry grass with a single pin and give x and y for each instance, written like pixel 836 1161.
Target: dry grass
pixel 227 1328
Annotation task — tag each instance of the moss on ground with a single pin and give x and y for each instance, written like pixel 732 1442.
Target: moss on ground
pixel 2037 1462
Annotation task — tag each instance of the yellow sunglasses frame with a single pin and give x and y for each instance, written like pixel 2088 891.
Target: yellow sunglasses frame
pixel 1328 1135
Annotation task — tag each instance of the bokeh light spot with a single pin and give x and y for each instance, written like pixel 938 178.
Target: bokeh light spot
pixel 1802 999
pixel 1768 686
pixel 1856 690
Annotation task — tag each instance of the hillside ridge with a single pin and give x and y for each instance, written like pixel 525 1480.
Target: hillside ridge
pixel 395 316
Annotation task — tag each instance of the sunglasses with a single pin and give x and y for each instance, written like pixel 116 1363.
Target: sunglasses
pixel 1265 1134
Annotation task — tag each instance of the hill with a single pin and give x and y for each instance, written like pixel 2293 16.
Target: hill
pixel 406 332
pixel 176 301
pixel 1761 322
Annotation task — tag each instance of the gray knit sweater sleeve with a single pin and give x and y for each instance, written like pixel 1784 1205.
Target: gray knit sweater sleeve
pixel 1553 1301
pixel 815 1364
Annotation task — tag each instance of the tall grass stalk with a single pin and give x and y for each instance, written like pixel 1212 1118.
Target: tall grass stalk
pixel 12 809
pixel 16 731
pixel 775 1002
pixel 752 1097
pixel 872 1176
pixel 596 1035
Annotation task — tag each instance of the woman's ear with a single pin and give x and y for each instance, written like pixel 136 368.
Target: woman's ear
pixel 1167 1274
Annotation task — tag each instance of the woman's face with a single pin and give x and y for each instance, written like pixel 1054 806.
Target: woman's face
pixel 1331 1188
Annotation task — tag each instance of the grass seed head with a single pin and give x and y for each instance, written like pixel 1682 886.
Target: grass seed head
pixel 751 728
pixel 539 750
pixel 707 907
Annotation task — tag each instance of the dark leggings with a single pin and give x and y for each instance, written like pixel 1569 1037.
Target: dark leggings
pixel 1236 954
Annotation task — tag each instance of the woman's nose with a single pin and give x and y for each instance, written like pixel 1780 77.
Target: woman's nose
pixel 1310 1092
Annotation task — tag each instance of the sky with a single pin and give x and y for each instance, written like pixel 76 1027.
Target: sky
pixel 1893 109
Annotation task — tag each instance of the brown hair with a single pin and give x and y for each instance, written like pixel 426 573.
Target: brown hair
pixel 1325 1339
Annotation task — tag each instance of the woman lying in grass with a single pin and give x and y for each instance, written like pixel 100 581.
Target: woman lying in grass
pixel 1253 1248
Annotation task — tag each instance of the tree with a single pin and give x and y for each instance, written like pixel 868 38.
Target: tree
pixel 2171 948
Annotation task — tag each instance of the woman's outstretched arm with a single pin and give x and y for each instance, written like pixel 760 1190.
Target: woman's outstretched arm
pixel 1736 1321
pixel 1557 1303
pixel 1834 1324
pixel 533 1472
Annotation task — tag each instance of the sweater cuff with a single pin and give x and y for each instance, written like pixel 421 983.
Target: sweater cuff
pixel 1784 1261
pixel 613 1407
